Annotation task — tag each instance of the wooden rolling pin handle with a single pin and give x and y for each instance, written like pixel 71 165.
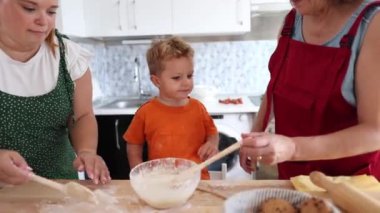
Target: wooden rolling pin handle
pixel 322 180
pixel 346 196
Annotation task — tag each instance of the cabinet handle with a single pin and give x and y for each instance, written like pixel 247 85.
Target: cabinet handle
pixel 120 12
pixel 117 133
pixel 239 5
pixel 132 21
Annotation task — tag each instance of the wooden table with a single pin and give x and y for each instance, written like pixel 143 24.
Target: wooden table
pixel 33 197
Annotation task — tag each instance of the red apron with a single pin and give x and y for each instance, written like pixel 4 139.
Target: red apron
pixel 305 87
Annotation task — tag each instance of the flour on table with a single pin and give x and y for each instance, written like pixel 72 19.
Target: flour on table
pixel 107 203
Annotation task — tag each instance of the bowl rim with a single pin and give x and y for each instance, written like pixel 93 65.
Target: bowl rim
pixel 251 196
pixel 159 159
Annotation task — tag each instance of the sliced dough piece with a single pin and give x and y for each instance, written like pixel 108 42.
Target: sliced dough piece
pixel 363 182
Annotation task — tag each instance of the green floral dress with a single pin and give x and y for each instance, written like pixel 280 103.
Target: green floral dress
pixel 37 128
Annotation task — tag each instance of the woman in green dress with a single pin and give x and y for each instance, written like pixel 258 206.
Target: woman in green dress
pixel 47 123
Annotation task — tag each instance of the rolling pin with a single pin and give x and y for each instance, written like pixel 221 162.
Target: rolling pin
pixel 346 196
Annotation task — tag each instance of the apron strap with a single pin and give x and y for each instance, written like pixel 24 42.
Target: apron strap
pixel 348 39
pixel 63 65
pixel 283 43
pixel 287 29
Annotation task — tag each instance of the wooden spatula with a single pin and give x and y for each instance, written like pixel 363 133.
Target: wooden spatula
pixel 71 189
pixel 346 196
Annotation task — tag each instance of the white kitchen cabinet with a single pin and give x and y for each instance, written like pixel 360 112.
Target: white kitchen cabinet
pixel 147 17
pixel 110 18
pixel 211 16
pixel 70 18
pixel 104 16
pixel 128 17
pixel 85 18
pixel 113 18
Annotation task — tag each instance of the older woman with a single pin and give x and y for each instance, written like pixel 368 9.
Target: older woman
pixel 324 92
pixel 46 111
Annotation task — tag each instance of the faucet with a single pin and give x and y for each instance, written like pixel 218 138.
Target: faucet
pixel 137 77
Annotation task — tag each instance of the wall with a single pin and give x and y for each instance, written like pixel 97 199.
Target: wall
pixel 233 67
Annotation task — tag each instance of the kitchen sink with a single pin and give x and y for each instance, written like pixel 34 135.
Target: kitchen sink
pixel 121 103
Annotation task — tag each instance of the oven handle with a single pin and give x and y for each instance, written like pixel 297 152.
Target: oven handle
pixel 218 116
pixel 117 134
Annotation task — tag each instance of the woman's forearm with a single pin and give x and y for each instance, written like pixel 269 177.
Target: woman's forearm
pixel 84 130
pixel 84 134
pixel 352 141
pixel 258 122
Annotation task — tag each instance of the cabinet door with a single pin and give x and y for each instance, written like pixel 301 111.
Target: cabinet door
pixel 111 145
pixel 211 16
pixel 147 17
pixel 104 17
pixel 70 18
pixel 88 18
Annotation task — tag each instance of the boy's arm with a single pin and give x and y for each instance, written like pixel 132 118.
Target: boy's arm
pixel 134 153
pixel 211 145
pixel 135 135
pixel 213 139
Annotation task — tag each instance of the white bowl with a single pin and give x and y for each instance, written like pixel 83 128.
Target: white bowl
pixel 250 201
pixel 153 182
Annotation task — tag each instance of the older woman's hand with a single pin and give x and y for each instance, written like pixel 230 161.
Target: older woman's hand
pixel 266 147
pixel 94 166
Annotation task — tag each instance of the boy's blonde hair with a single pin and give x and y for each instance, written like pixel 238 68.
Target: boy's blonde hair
pixel 163 50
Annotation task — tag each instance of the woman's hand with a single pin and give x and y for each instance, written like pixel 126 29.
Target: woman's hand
pixel 266 148
pixel 93 165
pixel 13 168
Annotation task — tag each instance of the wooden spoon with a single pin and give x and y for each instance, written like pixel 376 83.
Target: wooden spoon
pixel 209 161
pixel 71 189
pixel 346 196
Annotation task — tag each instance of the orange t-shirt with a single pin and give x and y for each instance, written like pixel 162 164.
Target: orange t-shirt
pixel 172 131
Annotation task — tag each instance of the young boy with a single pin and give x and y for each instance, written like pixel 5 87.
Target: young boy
pixel 172 124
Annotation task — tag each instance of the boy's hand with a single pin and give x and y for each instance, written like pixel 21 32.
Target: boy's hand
pixel 208 150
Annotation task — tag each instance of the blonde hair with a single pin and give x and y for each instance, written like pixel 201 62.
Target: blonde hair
pixel 163 50
pixel 50 41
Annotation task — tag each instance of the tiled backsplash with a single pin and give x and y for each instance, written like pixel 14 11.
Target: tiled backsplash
pixel 233 67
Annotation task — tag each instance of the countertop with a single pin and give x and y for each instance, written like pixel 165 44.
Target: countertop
pixel 33 197
pixel 208 198
pixel 212 105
